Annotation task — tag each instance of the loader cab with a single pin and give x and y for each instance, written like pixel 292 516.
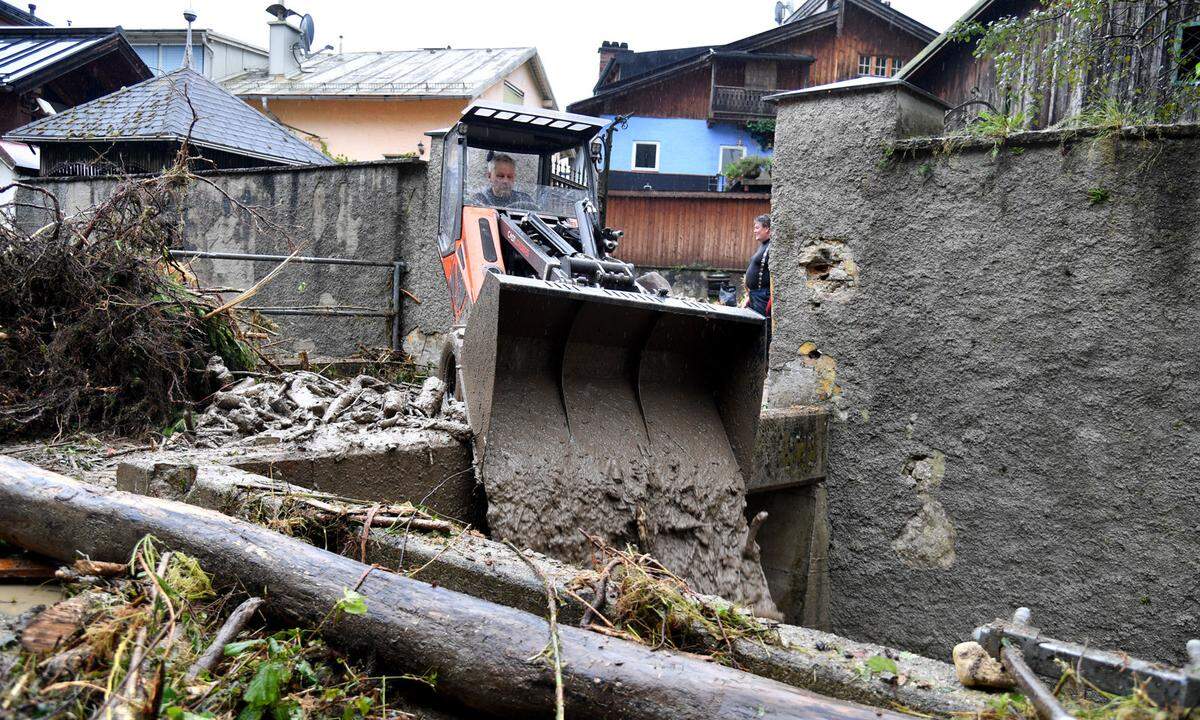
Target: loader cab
pixel 535 218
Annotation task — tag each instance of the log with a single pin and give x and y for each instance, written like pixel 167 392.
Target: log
pixel 487 656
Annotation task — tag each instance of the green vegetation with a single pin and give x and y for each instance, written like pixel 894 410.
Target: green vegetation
pixel 169 618
pixel 748 168
pixel 763 133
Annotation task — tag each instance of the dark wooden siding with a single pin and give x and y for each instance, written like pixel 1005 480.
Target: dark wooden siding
pixel 683 95
pixel 687 94
pixel 837 55
pixel 133 158
pixel 687 229
pixel 1043 92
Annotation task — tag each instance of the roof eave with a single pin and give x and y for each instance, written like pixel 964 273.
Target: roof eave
pixel 170 137
pixel 940 41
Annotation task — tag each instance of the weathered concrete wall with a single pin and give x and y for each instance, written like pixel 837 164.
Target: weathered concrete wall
pixel 1007 345
pixel 368 211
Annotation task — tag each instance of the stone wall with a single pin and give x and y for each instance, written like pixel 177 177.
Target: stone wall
pixel 1006 338
pixel 373 211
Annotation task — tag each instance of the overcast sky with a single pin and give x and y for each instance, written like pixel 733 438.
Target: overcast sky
pixel 566 34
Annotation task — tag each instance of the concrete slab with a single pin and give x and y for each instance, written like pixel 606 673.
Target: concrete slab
pixel 789 449
pixel 425 467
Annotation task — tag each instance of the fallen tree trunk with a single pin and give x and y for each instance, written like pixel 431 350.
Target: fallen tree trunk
pixel 482 652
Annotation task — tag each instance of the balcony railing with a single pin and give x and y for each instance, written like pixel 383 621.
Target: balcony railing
pixel 741 101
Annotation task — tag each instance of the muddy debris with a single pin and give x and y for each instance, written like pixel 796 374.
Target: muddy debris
pixel 293 407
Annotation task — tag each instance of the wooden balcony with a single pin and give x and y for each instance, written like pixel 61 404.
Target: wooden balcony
pixel 740 103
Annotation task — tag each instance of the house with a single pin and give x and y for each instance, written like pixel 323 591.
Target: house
pixel 140 129
pixel 1146 55
pixel 215 56
pixel 45 69
pixel 697 109
pixel 370 105
pixel 11 15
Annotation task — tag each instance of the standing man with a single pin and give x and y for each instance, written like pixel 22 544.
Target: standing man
pixel 758 275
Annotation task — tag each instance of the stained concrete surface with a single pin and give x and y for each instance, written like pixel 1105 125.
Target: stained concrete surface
pixel 1010 369
pixel 425 467
pixel 373 211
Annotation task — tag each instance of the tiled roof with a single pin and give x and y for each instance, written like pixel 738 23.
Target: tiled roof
pixel 432 72
pixel 158 109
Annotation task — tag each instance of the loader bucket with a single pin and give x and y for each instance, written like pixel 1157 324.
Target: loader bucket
pixel 628 416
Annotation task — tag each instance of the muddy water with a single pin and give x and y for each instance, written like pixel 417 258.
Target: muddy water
pixel 16 599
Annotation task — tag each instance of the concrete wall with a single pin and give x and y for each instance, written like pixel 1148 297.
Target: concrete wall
pixel 1006 341
pixel 369 211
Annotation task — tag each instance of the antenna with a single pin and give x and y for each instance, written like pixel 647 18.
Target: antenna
pixel 307 32
pixel 190 16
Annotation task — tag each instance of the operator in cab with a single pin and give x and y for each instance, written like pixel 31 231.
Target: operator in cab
pixel 501 191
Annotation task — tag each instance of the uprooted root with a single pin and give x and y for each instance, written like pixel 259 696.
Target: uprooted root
pixel 655 607
pixel 97 327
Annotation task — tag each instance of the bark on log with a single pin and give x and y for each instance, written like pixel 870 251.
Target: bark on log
pixel 481 651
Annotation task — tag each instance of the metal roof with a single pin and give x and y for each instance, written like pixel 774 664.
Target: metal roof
pixel 158 109
pixel 428 73
pixel 519 128
pixel 17 16
pixel 26 52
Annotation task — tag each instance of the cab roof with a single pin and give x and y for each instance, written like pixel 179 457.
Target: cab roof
pixel 522 129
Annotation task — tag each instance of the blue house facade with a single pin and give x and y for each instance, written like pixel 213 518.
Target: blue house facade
pixel 682 154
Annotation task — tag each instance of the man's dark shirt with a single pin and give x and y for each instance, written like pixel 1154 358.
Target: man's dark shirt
pixel 514 199
pixel 758 275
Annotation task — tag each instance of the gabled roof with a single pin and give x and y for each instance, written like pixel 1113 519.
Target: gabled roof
pixel 982 11
pixel 32 56
pixel 158 109
pixel 635 64
pixel 426 73
pixel 883 10
pixel 819 15
pixel 17 16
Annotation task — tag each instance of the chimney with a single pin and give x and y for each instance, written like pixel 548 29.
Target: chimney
pixel 284 45
pixel 609 50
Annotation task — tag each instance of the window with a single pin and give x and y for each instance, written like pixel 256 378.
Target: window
pixel 513 94
pixel 645 156
pixel 878 65
pixel 1188 44
pixel 730 154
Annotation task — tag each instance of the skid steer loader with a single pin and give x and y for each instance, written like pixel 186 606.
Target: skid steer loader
pixel 599 403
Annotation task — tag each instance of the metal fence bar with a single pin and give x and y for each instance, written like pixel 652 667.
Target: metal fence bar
pixel 280 258
pixel 398 267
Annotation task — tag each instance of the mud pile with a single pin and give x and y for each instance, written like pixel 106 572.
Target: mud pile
pixel 292 407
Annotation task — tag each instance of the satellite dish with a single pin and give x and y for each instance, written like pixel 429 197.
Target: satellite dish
pixel 307 32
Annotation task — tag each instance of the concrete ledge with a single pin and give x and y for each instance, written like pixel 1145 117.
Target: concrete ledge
pixel 425 467
pixel 925 145
pixel 790 449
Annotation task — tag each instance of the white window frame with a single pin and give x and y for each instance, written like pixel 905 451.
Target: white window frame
pixel 721 153
pixel 657 156
pixel 869 63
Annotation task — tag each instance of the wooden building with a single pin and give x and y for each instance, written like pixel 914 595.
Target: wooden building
pixel 697 110
pixel 1144 55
